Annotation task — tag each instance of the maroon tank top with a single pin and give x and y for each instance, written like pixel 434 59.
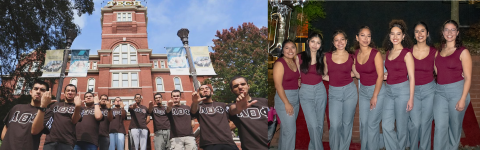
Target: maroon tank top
pixel 339 74
pixel 449 68
pixel 311 78
pixel 424 68
pixel 397 68
pixel 367 71
pixel 290 78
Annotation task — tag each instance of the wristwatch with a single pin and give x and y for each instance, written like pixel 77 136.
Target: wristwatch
pixel 42 109
pixel 96 104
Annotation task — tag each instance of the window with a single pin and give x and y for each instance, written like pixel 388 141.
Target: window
pixel 155 64
pixel 124 54
pixel 88 65
pixel 91 85
pixel 160 84
pixel 126 79
pixel 34 66
pixel 28 87
pixel 178 83
pixel 18 88
pixel 124 16
pixel 94 65
pixel 73 81
pixel 26 67
pixel 162 64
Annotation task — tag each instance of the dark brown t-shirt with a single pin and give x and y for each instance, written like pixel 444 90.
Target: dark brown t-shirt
pixel 214 128
pixel 104 124
pixel 19 122
pixel 87 130
pixel 116 126
pixel 139 117
pixel 60 124
pixel 180 121
pixel 252 125
pixel 160 119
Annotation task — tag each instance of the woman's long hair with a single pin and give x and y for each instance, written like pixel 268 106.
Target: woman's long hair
pixel 458 41
pixel 307 58
pixel 428 40
pixel 406 42
pixel 356 44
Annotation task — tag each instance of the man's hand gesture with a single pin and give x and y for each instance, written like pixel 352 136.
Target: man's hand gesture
pixel 46 98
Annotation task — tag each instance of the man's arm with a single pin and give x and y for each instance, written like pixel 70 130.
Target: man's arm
pixel 242 103
pixel 150 107
pixel 148 119
pixel 4 131
pixel 193 123
pixel 232 125
pixel 78 108
pixel 98 112
pixel 195 101
pixel 38 124
pixel 169 106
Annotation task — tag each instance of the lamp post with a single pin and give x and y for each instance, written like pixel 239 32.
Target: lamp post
pixel 183 34
pixel 71 35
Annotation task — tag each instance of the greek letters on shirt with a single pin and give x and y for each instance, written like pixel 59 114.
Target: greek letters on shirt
pixel 116 112
pixel 24 118
pixel 140 110
pixel 213 110
pixel 105 112
pixel 64 109
pixel 89 112
pixel 180 111
pixel 158 111
pixel 253 113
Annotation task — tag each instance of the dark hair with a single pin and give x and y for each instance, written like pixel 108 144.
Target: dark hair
pixel 136 96
pixel 333 48
pixel 104 95
pixel 235 78
pixel 70 85
pixel 406 41
pixel 171 94
pixel 41 83
pixel 307 58
pixel 428 40
pixel 158 93
pixel 85 95
pixel 280 53
pixel 458 40
pixel 356 44
pixel 118 98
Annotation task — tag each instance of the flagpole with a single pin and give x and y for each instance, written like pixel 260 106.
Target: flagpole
pixel 183 34
pixel 71 35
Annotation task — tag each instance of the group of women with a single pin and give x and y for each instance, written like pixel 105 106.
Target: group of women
pixel 406 104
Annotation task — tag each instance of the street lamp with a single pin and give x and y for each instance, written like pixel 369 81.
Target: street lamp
pixel 70 35
pixel 183 34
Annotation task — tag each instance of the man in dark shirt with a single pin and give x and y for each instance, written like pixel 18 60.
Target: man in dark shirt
pixel 138 124
pixel 160 123
pixel 106 108
pixel 25 123
pixel 251 122
pixel 117 129
pixel 181 123
pixel 213 118
pixel 87 130
pixel 62 123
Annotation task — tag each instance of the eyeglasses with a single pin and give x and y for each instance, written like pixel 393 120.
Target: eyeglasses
pixel 236 85
pixel 41 89
pixel 158 97
pixel 447 30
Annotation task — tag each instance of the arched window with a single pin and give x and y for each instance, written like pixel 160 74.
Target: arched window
pixel 178 83
pixel 73 81
pixel 124 54
pixel 91 85
pixel 160 87
pixel 18 88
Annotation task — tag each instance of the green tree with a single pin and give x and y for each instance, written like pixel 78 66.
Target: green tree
pixel 240 51
pixel 27 29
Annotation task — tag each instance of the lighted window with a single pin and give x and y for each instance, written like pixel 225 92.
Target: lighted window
pixel 162 64
pixel 18 88
pixel 155 64
pixel 178 83
pixel 160 87
pixel 73 81
pixel 124 54
pixel 125 79
pixel 124 16
pixel 94 65
pixel 91 85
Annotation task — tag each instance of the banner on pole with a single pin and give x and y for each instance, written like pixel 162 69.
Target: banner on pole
pixel 53 63
pixel 79 63
pixel 177 62
pixel 201 60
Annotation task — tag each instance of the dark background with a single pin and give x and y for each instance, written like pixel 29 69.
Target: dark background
pixel 350 16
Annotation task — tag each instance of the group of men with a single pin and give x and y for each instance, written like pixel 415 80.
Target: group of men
pixel 71 125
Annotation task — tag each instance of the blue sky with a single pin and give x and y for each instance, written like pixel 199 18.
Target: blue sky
pixel 165 17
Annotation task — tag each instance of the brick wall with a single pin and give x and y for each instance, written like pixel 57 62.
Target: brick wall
pixel 475 87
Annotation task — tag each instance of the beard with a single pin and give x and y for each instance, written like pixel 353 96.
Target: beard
pixel 103 105
pixel 117 105
pixel 207 96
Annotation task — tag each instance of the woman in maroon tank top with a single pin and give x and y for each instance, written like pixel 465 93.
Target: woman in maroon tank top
pixel 369 66
pixel 453 66
pixel 285 76
pixel 421 116
pixel 342 92
pixel 400 86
